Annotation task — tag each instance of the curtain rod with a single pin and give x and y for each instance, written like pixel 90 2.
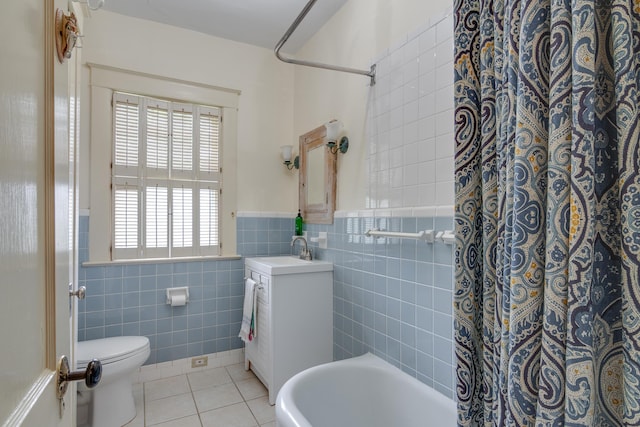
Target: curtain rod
pixel 371 73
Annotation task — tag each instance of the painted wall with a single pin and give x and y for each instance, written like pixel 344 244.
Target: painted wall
pixel 266 101
pixel 358 35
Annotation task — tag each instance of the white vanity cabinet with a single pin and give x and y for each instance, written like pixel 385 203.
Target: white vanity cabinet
pixel 294 320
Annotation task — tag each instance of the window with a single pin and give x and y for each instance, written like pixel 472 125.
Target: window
pixel 166 180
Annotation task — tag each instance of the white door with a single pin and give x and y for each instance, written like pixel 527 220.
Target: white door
pixel 35 237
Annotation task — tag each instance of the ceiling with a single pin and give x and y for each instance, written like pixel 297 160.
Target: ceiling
pixel 257 22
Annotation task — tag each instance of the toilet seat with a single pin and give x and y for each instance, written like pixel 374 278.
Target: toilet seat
pixel 110 350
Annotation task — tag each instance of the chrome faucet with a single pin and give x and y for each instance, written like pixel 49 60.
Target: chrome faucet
pixel 305 253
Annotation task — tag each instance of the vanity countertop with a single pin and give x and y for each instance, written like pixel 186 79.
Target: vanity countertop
pixel 287 265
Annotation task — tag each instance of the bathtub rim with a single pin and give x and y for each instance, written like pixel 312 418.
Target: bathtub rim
pixel 288 412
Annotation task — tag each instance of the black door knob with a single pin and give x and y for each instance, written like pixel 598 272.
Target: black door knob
pixel 91 375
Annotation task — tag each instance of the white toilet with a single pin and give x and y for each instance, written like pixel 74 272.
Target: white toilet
pixel 110 403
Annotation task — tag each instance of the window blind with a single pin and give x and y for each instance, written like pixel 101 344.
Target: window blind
pixel 209 135
pixel 182 217
pixel 126 226
pixel 209 211
pixel 182 140
pixel 166 178
pixel 157 136
pixel 126 119
pixel 156 217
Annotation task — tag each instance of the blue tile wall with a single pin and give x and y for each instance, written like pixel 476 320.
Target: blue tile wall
pixel 393 297
pixel 264 236
pixel 130 299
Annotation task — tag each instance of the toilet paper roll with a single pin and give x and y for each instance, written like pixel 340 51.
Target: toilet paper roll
pixel 178 300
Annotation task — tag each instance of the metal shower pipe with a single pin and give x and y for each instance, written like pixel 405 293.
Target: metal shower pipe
pixel 371 73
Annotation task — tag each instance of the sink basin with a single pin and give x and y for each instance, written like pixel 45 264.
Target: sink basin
pixel 275 265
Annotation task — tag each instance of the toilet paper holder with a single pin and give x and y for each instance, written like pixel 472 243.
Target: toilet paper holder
pixel 177 296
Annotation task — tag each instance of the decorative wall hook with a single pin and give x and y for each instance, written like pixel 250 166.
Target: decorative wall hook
pixel 67 34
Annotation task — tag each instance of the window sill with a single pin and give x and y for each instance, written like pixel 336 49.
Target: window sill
pixel 161 260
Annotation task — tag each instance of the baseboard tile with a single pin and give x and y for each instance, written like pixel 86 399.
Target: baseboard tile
pixel 172 368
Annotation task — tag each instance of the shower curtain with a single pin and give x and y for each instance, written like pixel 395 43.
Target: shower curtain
pixel 547 215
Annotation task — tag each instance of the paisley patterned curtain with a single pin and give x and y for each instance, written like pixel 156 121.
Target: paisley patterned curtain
pixel 547 299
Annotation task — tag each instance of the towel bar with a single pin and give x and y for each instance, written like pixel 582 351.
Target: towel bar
pixel 425 235
pixel 447 237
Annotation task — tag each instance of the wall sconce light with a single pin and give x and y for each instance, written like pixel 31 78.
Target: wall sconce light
pixel 287 153
pixel 334 128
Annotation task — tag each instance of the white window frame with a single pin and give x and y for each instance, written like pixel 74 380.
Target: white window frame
pixel 105 81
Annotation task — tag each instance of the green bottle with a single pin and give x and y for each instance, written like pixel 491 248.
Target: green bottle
pixel 299 223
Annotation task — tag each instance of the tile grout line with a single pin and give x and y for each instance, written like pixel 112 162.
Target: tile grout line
pixel 242 395
pixel 233 380
pixel 144 406
pixel 193 397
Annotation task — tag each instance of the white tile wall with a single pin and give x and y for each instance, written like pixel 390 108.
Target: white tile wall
pixel 410 128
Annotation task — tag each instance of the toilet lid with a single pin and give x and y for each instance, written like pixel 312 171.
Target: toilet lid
pixel 109 350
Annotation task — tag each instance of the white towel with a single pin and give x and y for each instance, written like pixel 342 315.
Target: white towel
pixel 254 321
pixel 248 310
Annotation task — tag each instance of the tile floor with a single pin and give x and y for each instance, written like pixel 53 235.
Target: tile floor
pixel 220 397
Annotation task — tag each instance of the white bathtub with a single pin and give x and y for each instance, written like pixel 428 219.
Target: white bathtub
pixel 362 391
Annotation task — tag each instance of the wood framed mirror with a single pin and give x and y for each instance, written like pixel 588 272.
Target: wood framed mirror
pixel 317 187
